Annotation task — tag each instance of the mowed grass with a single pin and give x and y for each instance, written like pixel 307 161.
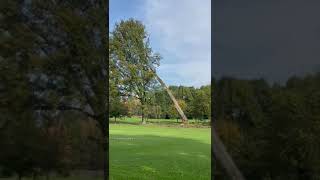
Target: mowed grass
pixel 161 149
pixel 154 151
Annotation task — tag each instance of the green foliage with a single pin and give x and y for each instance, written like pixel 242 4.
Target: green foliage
pixel 201 103
pixel 173 111
pixel 132 58
pixel 51 55
pixel 195 102
pixel 278 126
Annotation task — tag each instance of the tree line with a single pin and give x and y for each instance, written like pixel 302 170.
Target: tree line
pixel 271 130
pixel 195 102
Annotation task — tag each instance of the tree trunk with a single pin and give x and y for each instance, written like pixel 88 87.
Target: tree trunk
pixel 105 133
pixel 105 156
pixel 105 159
pixel 47 176
pixel 143 121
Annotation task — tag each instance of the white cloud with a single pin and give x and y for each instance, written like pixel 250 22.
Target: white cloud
pixel 182 32
pixel 188 74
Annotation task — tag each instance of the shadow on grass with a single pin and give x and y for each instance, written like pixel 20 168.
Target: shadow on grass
pixel 155 157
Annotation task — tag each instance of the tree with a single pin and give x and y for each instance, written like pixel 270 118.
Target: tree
pixel 117 106
pixel 133 57
pixel 201 103
pixel 117 109
pixel 173 110
pixel 20 136
pixel 133 105
pixel 278 126
pixel 65 69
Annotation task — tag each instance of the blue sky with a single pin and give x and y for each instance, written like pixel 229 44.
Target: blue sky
pixel 179 30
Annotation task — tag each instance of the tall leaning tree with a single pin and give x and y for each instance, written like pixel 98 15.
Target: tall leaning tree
pixel 131 55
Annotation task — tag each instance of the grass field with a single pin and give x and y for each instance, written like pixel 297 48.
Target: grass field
pixel 156 151
pixel 159 150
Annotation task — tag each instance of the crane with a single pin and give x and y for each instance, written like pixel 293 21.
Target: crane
pixel 219 150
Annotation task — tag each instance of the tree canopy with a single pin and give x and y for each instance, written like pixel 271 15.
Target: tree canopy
pixel 133 59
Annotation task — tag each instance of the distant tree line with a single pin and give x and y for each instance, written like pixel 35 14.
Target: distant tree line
pixel 271 131
pixel 195 102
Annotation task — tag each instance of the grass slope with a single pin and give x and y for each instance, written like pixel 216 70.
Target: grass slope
pixel 153 151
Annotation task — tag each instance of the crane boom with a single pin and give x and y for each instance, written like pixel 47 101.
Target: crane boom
pixel 219 149
pixel 175 102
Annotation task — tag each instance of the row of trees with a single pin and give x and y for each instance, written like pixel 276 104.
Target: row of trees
pixel 270 131
pixel 195 102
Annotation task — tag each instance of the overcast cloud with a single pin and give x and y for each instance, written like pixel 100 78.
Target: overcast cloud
pixel 271 39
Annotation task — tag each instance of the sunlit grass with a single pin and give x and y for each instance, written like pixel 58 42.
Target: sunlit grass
pixel 154 151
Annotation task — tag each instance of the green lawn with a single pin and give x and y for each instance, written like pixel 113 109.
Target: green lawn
pixel 159 150
pixel 154 151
